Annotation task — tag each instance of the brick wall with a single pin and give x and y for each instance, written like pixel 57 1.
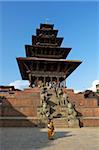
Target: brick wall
pixel 90 122
pixel 21 104
pixel 88 111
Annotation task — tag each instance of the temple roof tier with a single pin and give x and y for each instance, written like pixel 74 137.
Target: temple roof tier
pixel 46 52
pixel 50 67
pixel 48 26
pixel 45 31
pixel 36 40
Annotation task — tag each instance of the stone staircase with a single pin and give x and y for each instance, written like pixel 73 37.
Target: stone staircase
pixel 61 115
pixel 60 123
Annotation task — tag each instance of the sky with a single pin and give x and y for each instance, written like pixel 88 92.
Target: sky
pixel 77 22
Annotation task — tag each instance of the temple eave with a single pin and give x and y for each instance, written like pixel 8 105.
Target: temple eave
pixel 43 46
pixel 56 68
pixel 47 59
pixel 47 52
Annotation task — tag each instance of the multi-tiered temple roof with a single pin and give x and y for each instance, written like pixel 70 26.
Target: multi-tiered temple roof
pixel 45 60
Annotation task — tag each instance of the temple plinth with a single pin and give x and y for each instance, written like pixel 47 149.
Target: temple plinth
pixel 45 60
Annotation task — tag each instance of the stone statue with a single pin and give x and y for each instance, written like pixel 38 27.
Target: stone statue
pixel 45 108
pixel 59 96
pixel 68 107
pixel 72 116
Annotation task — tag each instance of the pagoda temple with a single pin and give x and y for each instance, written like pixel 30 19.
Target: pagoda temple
pixel 45 60
pixel 46 68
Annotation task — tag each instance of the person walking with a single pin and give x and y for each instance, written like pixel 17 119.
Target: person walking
pixel 50 129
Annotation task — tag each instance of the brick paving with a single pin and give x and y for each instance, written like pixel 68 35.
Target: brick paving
pixel 36 139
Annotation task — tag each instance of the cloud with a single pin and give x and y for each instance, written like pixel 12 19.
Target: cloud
pixel 77 91
pixel 93 86
pixel 20 84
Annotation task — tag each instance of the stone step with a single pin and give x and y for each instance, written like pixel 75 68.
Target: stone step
pixel 60 123
pixel 60 126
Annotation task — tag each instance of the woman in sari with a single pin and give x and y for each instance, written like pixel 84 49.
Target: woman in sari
pixel 50 129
